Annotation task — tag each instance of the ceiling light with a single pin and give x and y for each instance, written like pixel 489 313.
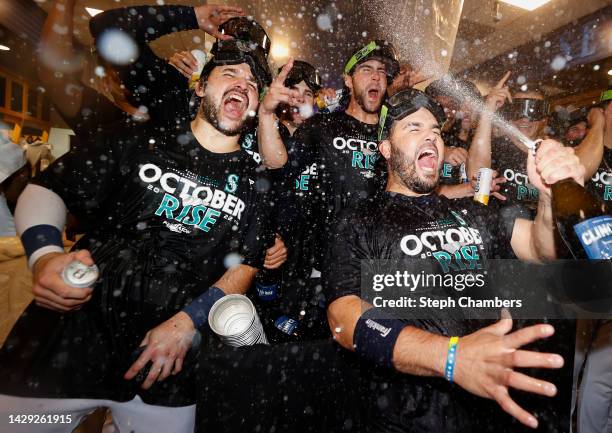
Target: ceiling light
pixel 93 12
pixel 609 71
pixel 279 50
pixel 4 48
pixel 529 5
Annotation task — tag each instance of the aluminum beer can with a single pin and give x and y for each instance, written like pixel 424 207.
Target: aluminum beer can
pixel 325 103
pixel 77 274
pixel 483 185
pixel 234 319
pixel 201 58
pixel 463 173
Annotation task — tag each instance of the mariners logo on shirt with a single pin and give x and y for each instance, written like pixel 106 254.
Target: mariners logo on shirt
pixel 232 183
pixel 187 202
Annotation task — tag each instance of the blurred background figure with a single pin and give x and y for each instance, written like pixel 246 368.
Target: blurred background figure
pixel 12 159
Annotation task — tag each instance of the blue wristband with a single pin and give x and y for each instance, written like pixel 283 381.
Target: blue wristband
pixel 199 309
pixel 375 335
pixel 39 236
pixel 451 356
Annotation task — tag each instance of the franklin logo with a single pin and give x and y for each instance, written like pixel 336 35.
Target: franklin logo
pixel 384 331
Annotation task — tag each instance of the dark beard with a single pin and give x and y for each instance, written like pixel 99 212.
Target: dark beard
pixel 210 113
pixel 404 168
pixel 360 98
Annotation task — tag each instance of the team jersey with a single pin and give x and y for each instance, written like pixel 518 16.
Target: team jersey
pixel 349 166
pixel 511 163
pixel 601 182
pixel 454 236
pixel 169 217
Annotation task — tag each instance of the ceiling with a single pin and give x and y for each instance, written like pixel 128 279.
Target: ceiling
pixel 325 32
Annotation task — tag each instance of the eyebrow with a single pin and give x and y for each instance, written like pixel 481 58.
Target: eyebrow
pixel 420 125
pixel 236 71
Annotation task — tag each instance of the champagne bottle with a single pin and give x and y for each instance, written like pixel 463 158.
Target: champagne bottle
pixel 583 221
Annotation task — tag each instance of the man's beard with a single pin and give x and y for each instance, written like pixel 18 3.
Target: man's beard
pixel 360 98
pixel 210 113
pixel 405 169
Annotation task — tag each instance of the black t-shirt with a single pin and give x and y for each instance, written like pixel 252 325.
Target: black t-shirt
pixel 165 196
pixel 430 227
pixel 511 163
pixel 402 228
pixel 350 170
pixel 170 217
pixel 601 182
pixel 451 174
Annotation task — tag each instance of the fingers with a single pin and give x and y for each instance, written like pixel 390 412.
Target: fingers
pixel 528 335
pixel 54 283
pixel 510 407
pixel 501 328
pixel 502 82
pixel 555 162
pixel 282 76
pixel 276 263
pixel 84 257
pixel 45 295
pixel 528 359
pixel 154 373
pixel 139 364
pixel 178 365
pixel 529 384
pixel 499 196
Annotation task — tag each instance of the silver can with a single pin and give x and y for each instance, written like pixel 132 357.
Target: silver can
pixel 463 173
pixel 78 274
pixel 234 319
pixel 483 185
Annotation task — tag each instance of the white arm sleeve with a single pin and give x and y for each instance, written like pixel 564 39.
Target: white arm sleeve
pixel 39 206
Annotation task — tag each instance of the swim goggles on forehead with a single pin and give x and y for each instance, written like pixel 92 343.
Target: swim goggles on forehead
pixel 520 108
pixel 235 51
pixel 247 29
pixel 303 71
pixel 403 104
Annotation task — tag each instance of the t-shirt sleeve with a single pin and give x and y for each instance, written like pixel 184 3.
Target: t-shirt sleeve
pixel 259 232
pixel 87 175
pixel 342 264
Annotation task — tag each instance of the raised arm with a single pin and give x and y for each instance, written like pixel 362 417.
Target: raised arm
pixel 590 150
pixel 535 240
pixel 59 62
pixel 271 146
pixel 479 154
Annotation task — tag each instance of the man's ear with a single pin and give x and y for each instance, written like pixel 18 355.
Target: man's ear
pixel 200 87
pixel 348 82
pixel 385 148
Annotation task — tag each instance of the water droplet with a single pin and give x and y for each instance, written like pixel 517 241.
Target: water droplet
pixel 324 22
pixel 117 47
pixel 558 63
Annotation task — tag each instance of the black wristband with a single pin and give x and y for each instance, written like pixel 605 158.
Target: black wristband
pixel 375 335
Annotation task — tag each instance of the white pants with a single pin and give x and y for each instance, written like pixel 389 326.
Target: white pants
pixel 595 397
pixel 130 416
